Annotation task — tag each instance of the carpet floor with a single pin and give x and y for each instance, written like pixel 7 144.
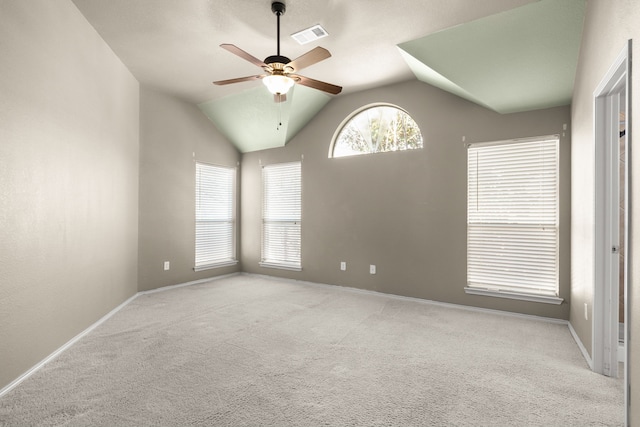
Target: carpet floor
pixel 255 351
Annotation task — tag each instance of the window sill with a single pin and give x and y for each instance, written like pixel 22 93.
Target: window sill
pixel 216 265
pixel 514 295
pixel 280 266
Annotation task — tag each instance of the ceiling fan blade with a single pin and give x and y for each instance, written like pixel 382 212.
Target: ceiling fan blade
pixel 317 84
pixel 242 54
pixel 280 97
pixel 314 56
pixel 238 80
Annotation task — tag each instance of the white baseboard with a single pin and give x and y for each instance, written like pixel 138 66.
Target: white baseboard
pixel 181 285
pixel 60 350
pixel 420 300
pixel 581 346
pixel 104 318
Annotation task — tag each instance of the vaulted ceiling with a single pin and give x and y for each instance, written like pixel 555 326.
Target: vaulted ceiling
pixel 507 55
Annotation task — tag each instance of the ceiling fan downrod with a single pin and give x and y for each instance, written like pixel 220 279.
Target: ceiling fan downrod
pixel 278 8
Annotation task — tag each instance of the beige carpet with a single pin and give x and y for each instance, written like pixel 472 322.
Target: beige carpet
pixel 253 351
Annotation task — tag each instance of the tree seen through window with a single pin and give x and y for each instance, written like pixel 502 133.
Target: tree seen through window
pixel 377 129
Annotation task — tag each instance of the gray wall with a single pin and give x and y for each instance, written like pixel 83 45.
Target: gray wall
pixel 173 136
pixel 608 26
pixel 68 180
pixel 405 212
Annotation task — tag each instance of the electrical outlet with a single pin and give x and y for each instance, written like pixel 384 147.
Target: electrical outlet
pixel 372 269
pixel 343 266
pixel 166 265
pixel 586 311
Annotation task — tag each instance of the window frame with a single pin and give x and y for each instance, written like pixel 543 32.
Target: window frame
pixel 282 260
pixel 354 114
pixel 512 220
pixel 231 219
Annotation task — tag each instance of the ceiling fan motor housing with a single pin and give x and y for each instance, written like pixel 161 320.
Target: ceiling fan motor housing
pixel 276 59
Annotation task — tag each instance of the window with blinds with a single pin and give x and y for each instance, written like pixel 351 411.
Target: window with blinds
pixel 215 216
pixel 512 218
pixel 281 216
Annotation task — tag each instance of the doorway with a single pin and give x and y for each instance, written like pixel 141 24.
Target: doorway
pixel 610 308
pixel 622 207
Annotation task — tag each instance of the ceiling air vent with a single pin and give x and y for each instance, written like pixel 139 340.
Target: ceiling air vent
pixel 310 34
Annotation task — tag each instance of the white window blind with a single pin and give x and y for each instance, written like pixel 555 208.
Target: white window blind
pixel 215 216
pixel 512 217
pixel 281 215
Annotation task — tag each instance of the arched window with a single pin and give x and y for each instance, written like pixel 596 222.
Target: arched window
pixel 376 128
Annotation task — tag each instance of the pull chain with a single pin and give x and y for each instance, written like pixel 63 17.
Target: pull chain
pixel 279 115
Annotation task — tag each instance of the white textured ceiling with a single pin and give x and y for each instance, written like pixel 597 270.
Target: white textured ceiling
pixel 174 45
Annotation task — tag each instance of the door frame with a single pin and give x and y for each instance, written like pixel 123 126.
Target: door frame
pixel 613 88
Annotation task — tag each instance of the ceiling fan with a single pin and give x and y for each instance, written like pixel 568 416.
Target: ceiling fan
pixel 281 71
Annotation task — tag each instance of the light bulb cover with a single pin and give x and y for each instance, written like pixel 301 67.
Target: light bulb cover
pixel 278 84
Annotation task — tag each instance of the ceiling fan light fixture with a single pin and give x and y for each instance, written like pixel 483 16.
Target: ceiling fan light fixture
pixel 278 84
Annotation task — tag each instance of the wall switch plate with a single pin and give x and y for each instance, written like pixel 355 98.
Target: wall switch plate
pixel 372 269
pixel 343 265
pixel 166 265
pixel 586 311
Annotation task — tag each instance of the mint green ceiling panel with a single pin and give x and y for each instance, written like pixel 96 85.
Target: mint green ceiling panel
pixel 429 75
pixel 305 104
pixel 519 60
pixel 252 121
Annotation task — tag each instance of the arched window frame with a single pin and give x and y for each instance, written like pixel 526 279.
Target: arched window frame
pixel 360 110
